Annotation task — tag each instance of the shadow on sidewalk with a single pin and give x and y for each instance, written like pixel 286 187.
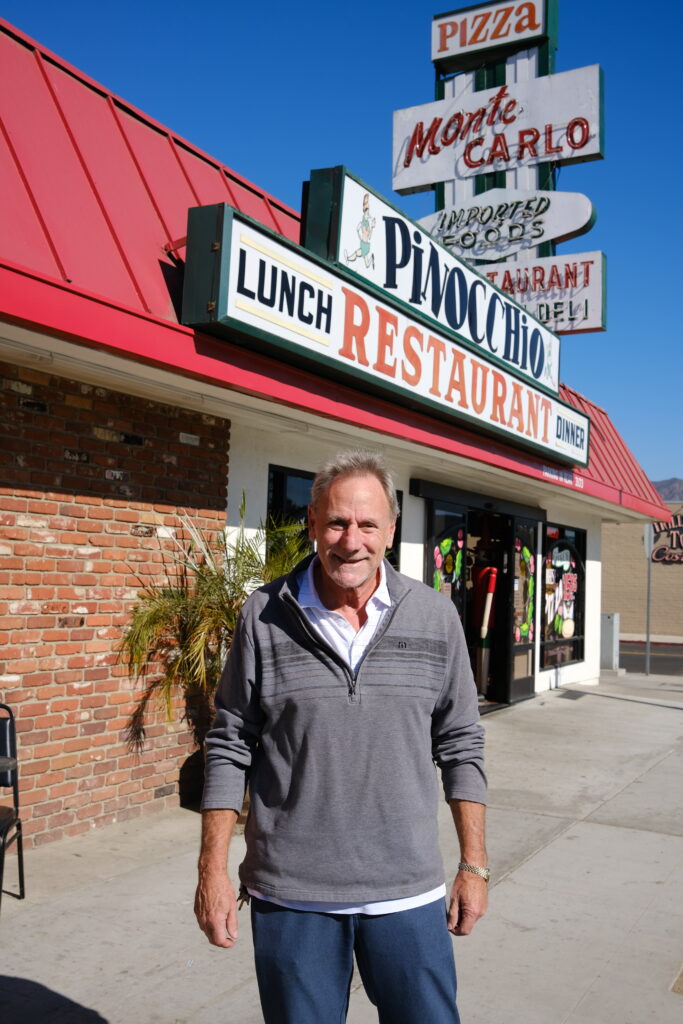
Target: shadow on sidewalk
pixel 31 1003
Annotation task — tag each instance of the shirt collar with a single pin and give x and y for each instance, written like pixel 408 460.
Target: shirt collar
pixel 309 597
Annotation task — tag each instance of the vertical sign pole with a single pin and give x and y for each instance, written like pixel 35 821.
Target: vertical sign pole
pixel 647 540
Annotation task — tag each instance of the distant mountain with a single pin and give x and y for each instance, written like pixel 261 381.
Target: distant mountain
pixel 670 490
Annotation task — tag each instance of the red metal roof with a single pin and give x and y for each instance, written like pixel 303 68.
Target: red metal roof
pixel 93 211
pixel 613 472
pixel 95 193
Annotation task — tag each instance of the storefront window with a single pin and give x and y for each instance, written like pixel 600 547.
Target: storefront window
pixel 446 553
pixel 564 584
pixel 289 494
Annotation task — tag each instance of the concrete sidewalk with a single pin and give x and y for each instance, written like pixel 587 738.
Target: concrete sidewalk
pixel 586 917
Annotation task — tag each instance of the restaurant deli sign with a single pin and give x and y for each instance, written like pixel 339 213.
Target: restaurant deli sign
pixel 566 293
pixel 388 309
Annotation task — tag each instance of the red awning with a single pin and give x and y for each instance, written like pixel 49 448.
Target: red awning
pixel 94 210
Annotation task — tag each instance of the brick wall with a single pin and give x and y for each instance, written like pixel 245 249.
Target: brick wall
pixel 90 484
pixel 624 582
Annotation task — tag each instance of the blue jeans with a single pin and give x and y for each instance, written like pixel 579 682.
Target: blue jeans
pixel 304 964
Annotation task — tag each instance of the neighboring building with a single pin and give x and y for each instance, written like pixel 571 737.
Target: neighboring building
pixel 115 417
pixel 625 570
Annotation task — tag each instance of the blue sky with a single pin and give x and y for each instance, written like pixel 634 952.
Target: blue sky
pixel 276 89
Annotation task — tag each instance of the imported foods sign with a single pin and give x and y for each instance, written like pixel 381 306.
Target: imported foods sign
pixel 244 282
pixel 557 118
pixel 501 222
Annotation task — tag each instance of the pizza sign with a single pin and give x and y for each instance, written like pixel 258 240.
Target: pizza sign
pixel 486 27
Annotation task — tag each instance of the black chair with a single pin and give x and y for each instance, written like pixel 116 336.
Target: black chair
pixel 10 822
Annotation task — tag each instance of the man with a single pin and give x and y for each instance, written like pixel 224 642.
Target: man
pixel 345 682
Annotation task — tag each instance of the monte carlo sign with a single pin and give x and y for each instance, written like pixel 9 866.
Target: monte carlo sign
pixel 554 118
pixel 390 311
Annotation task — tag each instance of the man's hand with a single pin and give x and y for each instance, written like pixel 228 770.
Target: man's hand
pixel 215 908
pixel 469 895
pixel 469 900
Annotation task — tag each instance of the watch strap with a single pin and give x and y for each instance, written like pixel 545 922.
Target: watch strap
pixel 473 869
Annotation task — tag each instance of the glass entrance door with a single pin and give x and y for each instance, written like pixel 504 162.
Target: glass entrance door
pixel 521 622
pixel 486 563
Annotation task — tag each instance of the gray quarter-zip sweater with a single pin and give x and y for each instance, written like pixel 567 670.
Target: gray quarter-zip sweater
pixel 340 765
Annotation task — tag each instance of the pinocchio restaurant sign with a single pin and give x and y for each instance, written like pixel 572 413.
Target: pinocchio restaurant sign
pixel 348 224
pixel 244 282
pixel 555 118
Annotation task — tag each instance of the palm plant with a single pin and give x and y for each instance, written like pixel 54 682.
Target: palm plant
pixel 181 628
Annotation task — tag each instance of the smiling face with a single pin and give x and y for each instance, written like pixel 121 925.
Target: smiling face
pixel 352 527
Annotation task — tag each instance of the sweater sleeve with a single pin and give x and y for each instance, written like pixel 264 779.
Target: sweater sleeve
pixel 234 735
pixel 457 733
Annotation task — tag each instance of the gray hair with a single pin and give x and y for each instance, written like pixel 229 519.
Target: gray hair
pixel 356 462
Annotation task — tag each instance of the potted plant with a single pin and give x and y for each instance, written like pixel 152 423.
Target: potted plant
pixel 181 626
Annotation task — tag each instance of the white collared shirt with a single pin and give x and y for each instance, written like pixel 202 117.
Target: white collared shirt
pixel 334 628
